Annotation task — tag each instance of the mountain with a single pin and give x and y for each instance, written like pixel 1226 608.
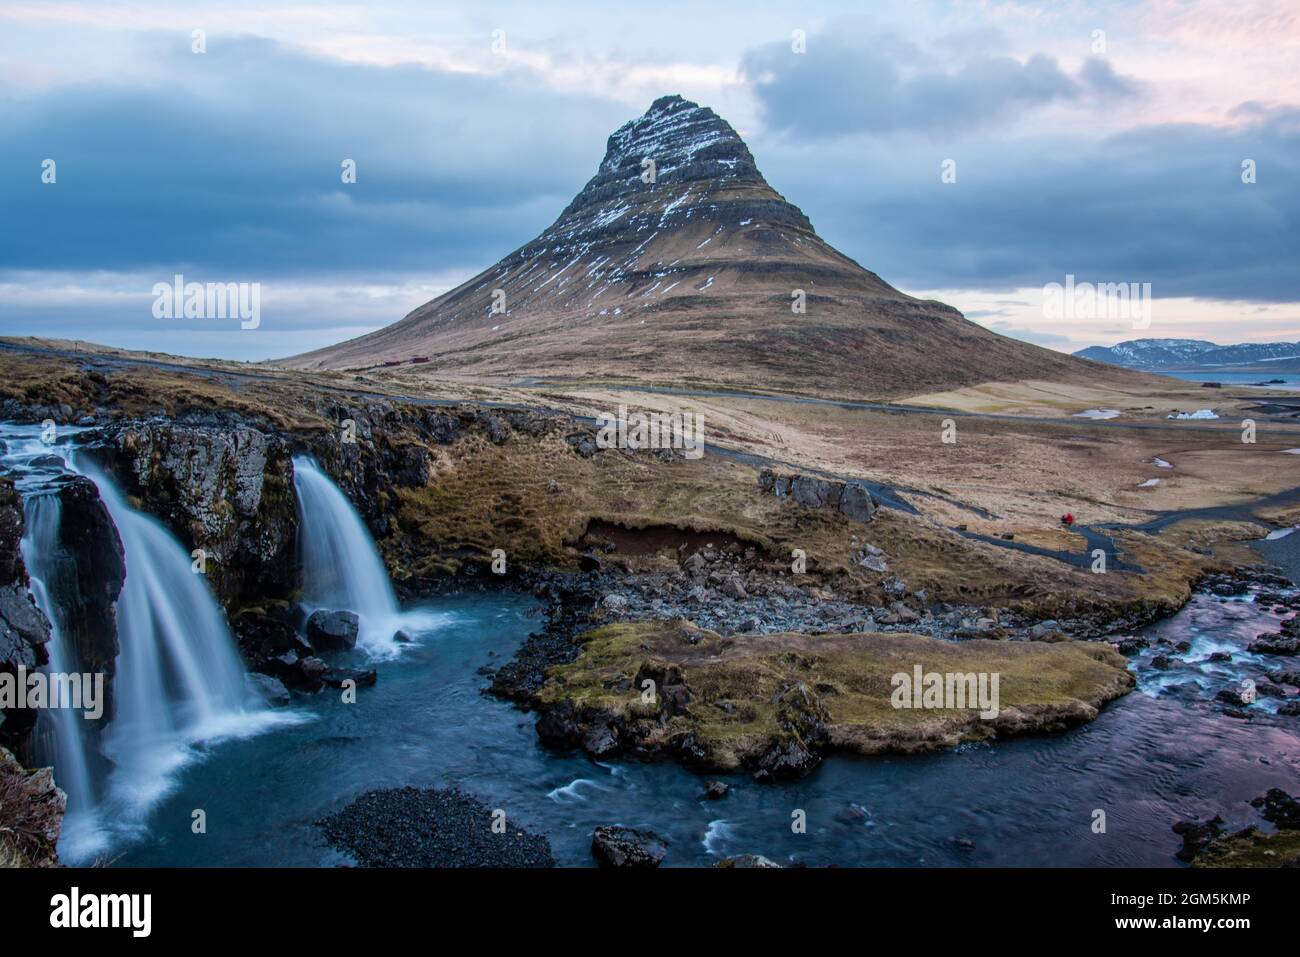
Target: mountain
pixel 685 272
pixel 1189 355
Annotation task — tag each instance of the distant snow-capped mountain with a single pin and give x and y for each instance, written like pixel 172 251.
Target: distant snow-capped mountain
pixel 1195 354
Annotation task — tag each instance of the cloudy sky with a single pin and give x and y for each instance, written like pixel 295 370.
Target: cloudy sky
pixel 1102 139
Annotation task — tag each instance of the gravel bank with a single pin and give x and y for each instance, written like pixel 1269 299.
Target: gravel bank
pixel 410 827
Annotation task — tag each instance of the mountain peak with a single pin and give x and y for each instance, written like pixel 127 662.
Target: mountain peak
pixel 678 262
pixel 684 140
pixel 677 164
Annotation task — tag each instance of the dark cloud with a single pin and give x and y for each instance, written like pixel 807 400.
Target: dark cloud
pixel 848 83
pixel 234 165
pixel 1163 204
pixel 231 173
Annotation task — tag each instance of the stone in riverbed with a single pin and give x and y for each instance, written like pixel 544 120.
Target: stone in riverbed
pixel 1130 645
pixel 1233 696
pixel 272 689
pixel 746 861
pixel 333 630
pixel 1197 835
pixel 716 790
pixel 336 676
pixel 1285 677
pixel 1279 809
pixel 1274 644
pixel 617 846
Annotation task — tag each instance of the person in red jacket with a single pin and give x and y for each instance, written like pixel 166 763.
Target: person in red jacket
pixel 1067 518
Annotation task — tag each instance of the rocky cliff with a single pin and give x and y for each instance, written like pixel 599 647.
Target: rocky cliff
pixel 24 630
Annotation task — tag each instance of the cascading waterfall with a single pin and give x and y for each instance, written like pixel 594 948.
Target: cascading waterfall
pixel 342 569
pixel 179 681
pixel 179 678
pixel 61 734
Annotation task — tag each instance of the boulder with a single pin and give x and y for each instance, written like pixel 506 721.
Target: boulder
pixel 333 630
pixel 732 587
pixel 851 499
pixel 364 678
pixel 1274 644
pixel 271 689
pixel 856 503
pixel 618 846
pixel 716 790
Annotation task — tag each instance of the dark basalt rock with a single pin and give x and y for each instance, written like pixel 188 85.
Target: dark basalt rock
pixel 1274 645
pixel 1233 696
pixel 617 846
pixel 559 727
pixel 333 630
pixel 802 717
pixel 716 790
pixel 267 635
pixel 1130 646
pixel 851 499
pixel 1197 836
pixel 24 630
pixel 89 571
pixel 222 485
pixel 364 678
pixel 271 689
pixel 1279 809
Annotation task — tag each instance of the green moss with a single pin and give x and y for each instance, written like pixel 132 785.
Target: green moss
pixel 736 683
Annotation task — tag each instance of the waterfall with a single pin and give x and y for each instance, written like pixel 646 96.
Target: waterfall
pixel 179 686
pixel 179 677
pixel 61 735
pixel 342 569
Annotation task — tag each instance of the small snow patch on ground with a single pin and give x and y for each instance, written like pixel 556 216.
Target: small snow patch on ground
pixel 1149 483
pixel 1198 414
pixel 1097 414
pixel 1291 451
pixel 1280 533
pixel 1162 464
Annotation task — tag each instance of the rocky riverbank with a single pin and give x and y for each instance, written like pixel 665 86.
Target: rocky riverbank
pixel 1212 844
